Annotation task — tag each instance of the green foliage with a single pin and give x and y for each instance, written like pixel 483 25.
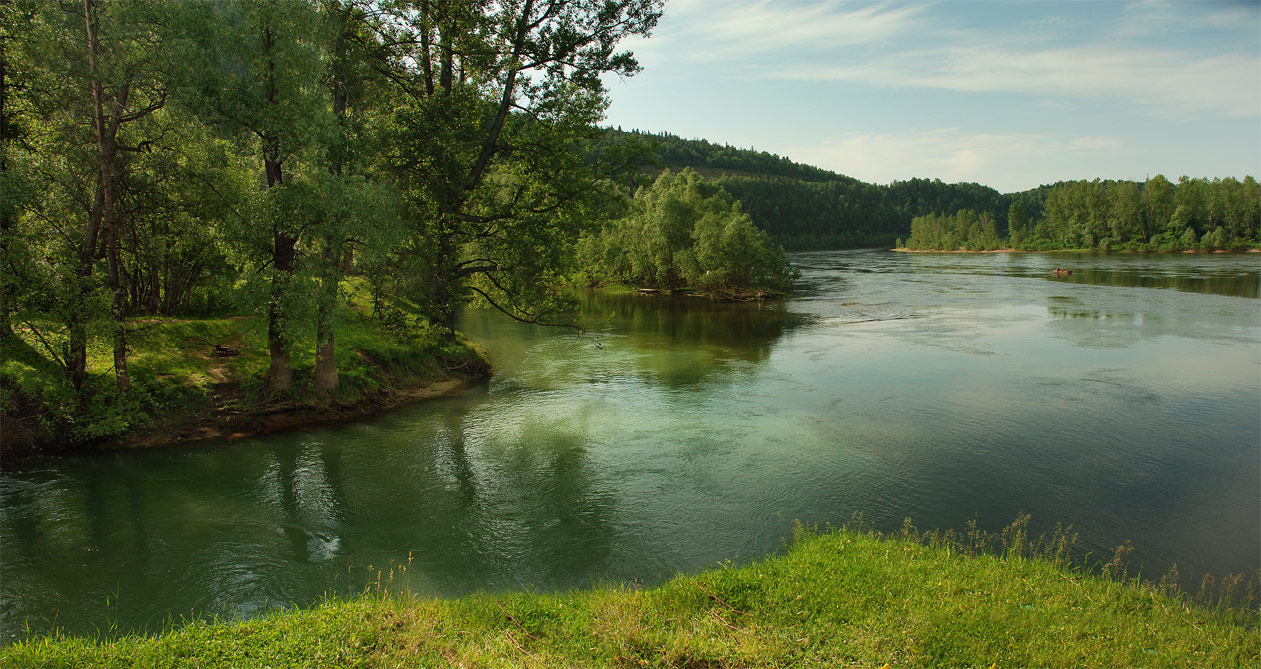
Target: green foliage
pixel 804 207
pixel 685 231
pixel 1017 223
pixel 494 198
pixel 168 367
pixel 1157 215
pixel 675 152
pixel 176 379
pixel 848 213
pixel 965 230
pixel 849 597
pixel 261 150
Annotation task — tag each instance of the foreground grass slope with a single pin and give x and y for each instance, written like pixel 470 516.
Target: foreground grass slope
pixel 842 598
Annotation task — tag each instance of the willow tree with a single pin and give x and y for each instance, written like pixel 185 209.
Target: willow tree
pixel 255 68
pixel 499 103
pixel 683 230
pixel 89 72
pixel 356 207
pixel 14 192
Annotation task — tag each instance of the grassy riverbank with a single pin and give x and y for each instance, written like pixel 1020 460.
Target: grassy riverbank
pixel 181 390
pixel 848 597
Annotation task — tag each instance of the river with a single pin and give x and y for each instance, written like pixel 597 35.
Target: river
pixel 1124 400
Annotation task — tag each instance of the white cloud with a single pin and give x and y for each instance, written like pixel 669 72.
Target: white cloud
pixel 1038 91
pixel 914 49
pixel 1166 83
pixel 1006 161
pixel 717 30
pixel 1162 17
pixel 771 25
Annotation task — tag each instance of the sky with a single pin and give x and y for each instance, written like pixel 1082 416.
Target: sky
pixel 1008 94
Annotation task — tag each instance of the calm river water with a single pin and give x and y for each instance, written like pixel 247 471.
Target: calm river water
pixel 1124 399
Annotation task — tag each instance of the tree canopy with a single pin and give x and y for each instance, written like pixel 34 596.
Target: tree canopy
pixel 176 159
pixel 685 231
pixel 1155 215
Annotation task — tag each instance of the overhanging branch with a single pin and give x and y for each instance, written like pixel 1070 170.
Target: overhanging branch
pixel 532 320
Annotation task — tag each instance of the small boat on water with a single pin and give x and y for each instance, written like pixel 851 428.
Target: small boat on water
pixel 1061 272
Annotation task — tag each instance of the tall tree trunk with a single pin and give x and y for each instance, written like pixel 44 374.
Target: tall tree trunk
pixel 107 152
pixel 505 102
pixel 446 47
pixel 119 310
pixel 280 370
pixel 7 283
pixel 444 290
pixel 426 64
pixel 446 277
pixel 326 379
pixel 111 224
pixel 76 353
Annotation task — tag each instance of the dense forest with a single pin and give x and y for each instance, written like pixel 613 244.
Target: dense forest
pixel 1156 215
pixel 804 207
pixel 171 159
pixel 711 159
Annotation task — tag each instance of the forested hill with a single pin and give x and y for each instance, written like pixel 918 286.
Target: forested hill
pixel 709 159
pixel 805 207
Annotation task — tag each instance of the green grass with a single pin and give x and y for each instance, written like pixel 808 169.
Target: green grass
pixel 844 598
pixel 175 378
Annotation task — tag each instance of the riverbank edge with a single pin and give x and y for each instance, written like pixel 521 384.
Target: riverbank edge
pixel 281 416
pixel 752 295
pixel 230 418
pixel 840 598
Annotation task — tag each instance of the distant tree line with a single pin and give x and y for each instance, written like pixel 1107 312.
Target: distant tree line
pixel 841 214
pixel 1105 215
pixel 805 207
pixel 704 156
pixel 964 230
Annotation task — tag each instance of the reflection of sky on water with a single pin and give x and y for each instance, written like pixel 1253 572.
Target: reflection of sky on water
pixel 1235 275
pixel 940 387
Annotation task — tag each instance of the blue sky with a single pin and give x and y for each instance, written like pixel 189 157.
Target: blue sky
pixel 1007 94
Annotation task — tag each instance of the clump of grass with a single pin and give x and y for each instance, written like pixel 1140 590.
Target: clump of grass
pixel 1236 596
pixel 844 597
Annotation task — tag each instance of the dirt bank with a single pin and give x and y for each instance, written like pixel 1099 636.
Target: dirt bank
pixel 268 417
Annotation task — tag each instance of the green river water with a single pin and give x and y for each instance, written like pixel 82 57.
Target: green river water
pixel 1124 399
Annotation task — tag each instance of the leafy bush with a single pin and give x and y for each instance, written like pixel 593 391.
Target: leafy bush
pixel 684 231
